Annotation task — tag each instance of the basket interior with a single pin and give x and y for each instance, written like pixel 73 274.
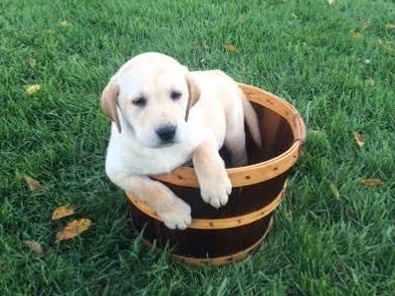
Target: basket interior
pixel 277 138
pixel 276 135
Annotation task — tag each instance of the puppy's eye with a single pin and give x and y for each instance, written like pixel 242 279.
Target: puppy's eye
pixel 140 102
pixel 175 95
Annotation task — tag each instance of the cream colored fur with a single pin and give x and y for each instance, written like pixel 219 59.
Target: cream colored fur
pixel 164 116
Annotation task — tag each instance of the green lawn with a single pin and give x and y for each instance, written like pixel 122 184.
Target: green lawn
pixel 334 62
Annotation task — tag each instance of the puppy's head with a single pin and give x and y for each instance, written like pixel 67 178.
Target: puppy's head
pixel 153 94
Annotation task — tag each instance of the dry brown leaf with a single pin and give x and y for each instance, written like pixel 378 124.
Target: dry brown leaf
pixel 359 139
pixel 63 211
pixel 356 35
pixel 335 191
pixel 31 89
pixel 31 183
pixel 230 48
pixel 73 229
pixel 34 246
pixel 371 182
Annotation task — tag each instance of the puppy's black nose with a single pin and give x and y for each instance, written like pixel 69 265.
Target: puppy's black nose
pixel 167 132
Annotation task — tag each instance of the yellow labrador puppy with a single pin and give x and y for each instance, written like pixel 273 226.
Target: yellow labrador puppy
pixel 164 116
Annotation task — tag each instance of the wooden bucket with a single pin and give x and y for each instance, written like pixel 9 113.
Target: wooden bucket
pixel 220 236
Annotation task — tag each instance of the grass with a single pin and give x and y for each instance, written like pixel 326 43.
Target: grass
pixel 335 63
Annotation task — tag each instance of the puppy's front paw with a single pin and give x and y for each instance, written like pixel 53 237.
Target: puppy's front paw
pixel 177 215
pixel 216 189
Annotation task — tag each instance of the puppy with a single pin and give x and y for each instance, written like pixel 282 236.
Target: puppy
pixel 163 116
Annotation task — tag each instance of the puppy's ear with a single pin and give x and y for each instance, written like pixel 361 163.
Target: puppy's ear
pixel 194 93
pixel 108 103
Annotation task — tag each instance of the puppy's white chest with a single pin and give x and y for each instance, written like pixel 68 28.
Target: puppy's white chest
pixel 162 160
pixel 131 157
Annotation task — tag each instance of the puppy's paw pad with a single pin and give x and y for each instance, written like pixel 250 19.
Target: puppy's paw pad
pixel 216 193
pixel 177 215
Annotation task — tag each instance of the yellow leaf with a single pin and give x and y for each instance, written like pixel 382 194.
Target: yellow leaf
pixel 356 35
pixel 390 26
pixel 65 23
pixel 63 211
pixel 73 229
pixel 335 191
pixel 34 246
pixel 230 48
pixel 31 183
pixel 371 182
pixel 358 139
pixel 31 89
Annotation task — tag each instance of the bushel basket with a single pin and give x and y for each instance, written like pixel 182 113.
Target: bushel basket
pixel 220 236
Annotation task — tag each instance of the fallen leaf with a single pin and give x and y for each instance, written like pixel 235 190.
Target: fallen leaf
pixel 73 229
pixel 331 2
pixel 369 81
pixel 356 35
pixel 31 183
pixel 335 191
pixel 63 211
pixel 34 246
pixel 371 182
pixel 31 89
pixel 358 139
pixel 390 26
pixel 230 48
pixel 65 23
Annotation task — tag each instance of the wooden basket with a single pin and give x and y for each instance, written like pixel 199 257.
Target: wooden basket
pixel 217 237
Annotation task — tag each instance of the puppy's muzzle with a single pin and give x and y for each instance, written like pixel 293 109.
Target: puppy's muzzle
pixel 166 133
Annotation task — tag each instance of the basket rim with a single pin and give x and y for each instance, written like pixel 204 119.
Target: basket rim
pixel 257 172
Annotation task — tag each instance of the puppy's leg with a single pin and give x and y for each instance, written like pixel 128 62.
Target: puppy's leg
pixel 174 212
pixel 235 140
pixel 215 185
pixel 237 149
